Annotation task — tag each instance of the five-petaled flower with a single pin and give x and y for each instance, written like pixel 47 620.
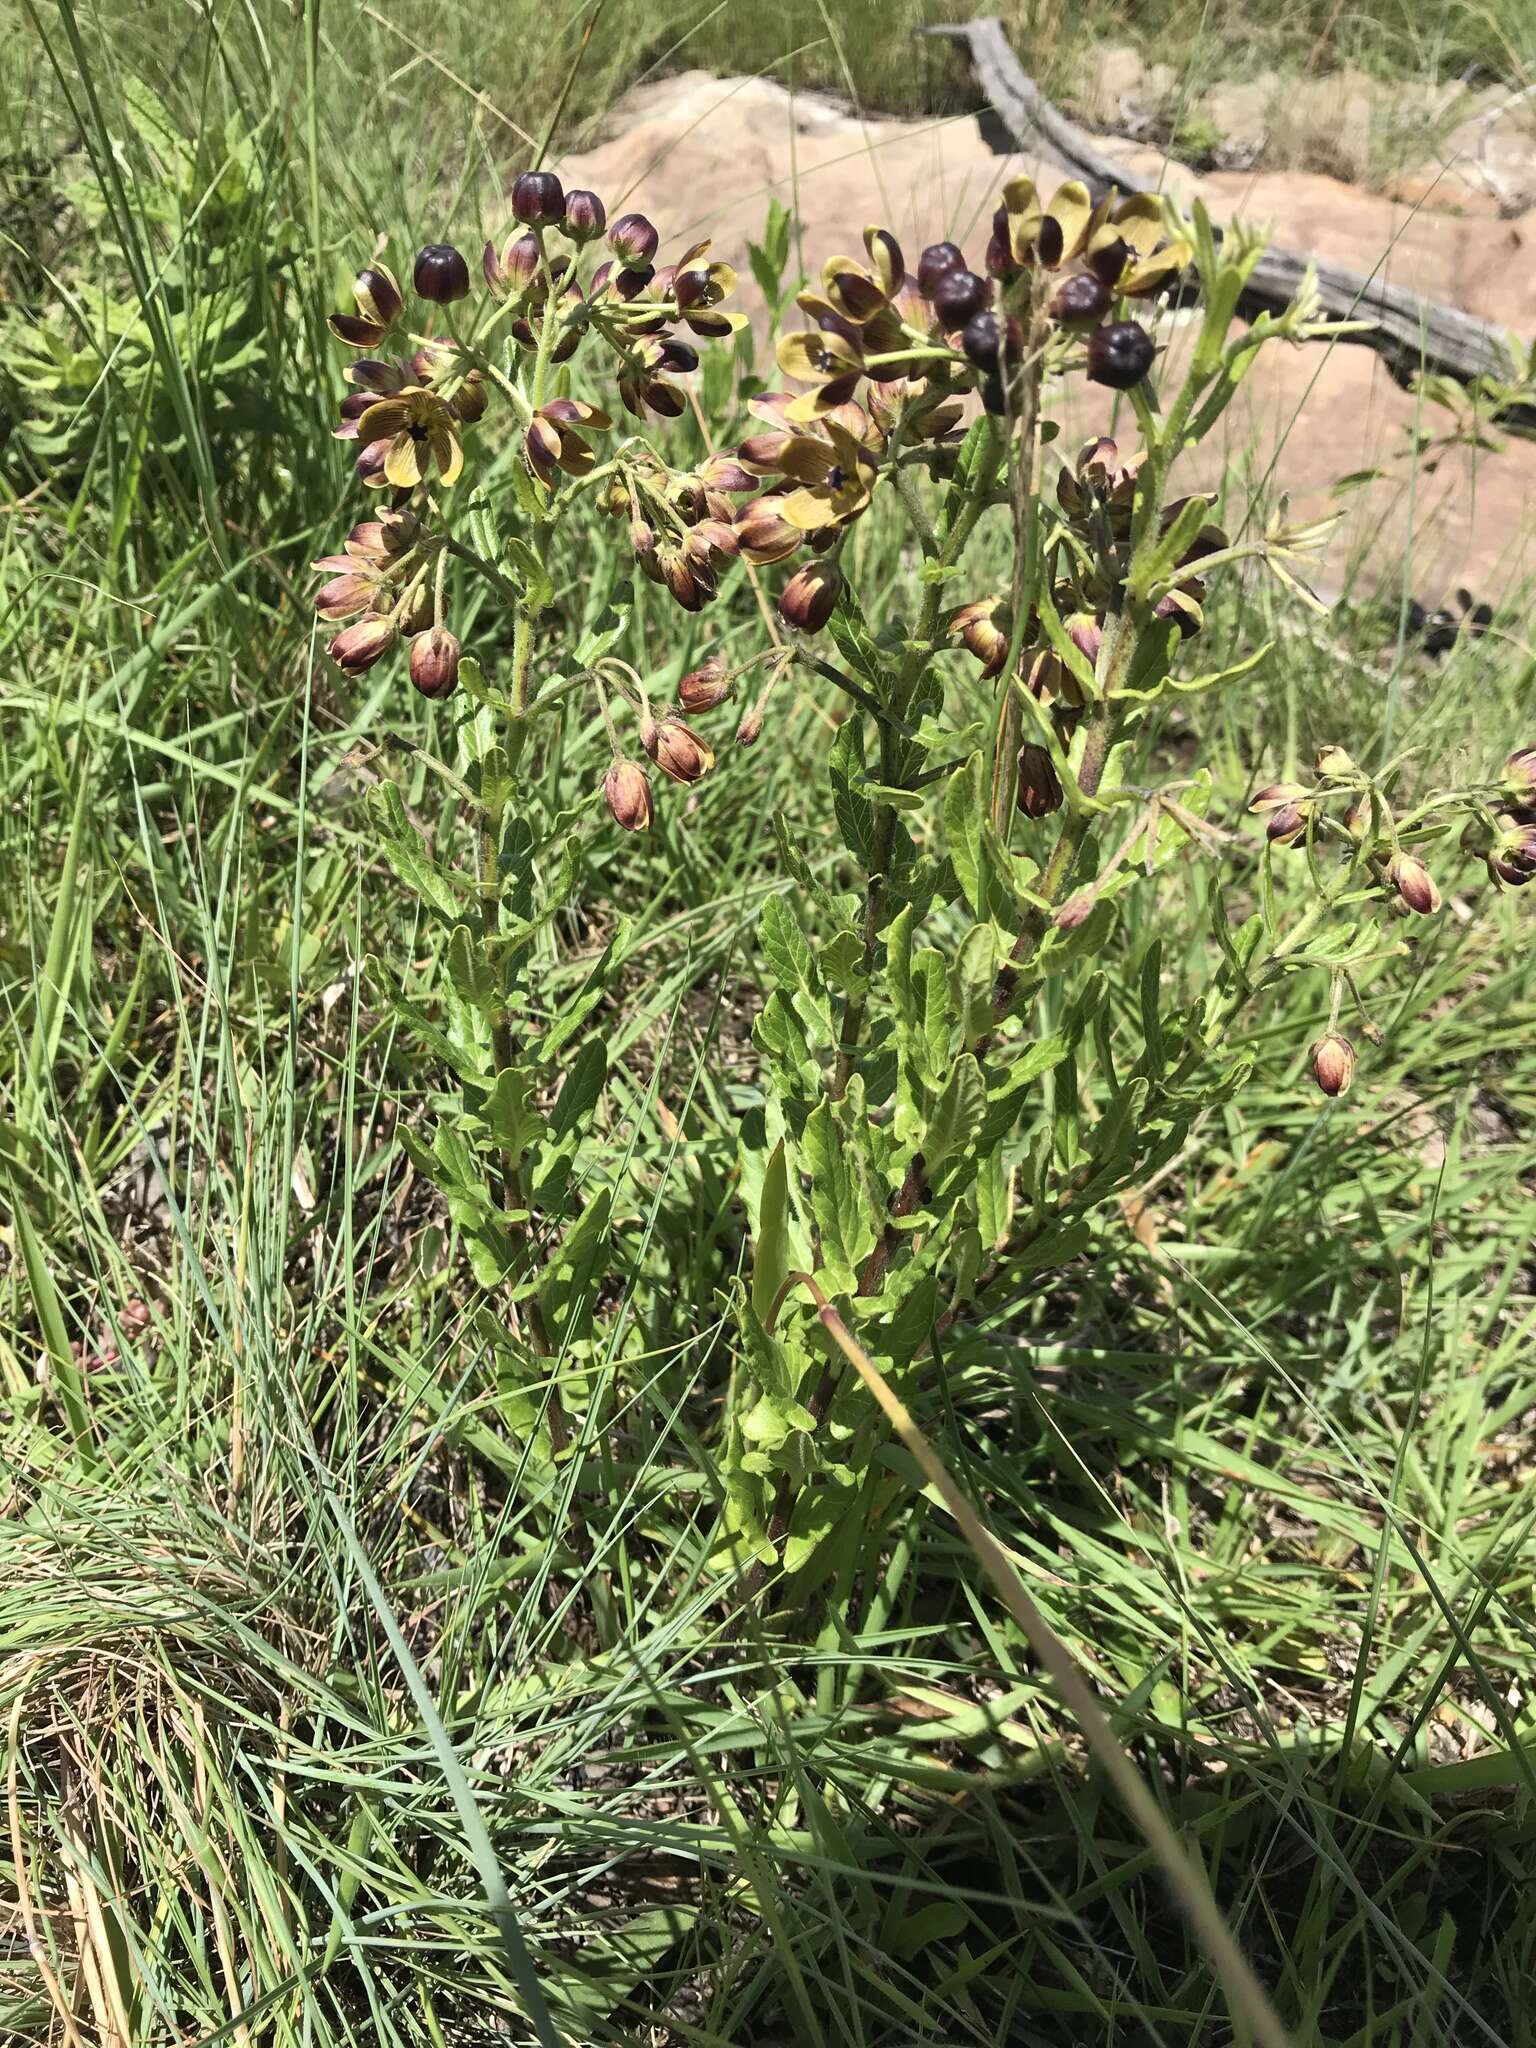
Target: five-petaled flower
pixel 422 435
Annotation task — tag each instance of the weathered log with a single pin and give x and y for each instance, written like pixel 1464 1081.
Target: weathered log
pixel 1415 334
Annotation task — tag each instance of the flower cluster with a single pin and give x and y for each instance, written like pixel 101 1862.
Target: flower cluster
pixel 414 395
pixel 1057 652
pixel 892 356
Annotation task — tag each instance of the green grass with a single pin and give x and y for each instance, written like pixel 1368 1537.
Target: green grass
pixel 320 1713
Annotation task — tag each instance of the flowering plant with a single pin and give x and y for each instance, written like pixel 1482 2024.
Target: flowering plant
pixel 949 1097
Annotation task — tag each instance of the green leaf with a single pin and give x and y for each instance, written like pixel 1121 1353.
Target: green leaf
pixel 957 1115
pixel 469 970
pixel 854 812
pixel 511 1122
pixel 581 1090
pixel 770 1250
pixel 774 1417
pixel 569 1286
pixel 848 629
pixel 405 850
pixel 846 1231
pixel 538 590
pixel 818 1510
pixel 933 1019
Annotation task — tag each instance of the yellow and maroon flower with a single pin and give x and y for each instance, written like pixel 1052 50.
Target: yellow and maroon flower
pixel 552 441
pixel 420 433
pixel 380 303
pixel 825 360
pixel 835 473
pixel 698 288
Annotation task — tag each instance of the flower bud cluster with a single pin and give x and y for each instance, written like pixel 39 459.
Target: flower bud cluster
pixel 413 396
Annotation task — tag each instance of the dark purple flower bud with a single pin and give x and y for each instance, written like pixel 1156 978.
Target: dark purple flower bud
pixel 677 355
pixel 627 793
pixel 441 274
pixel 1108 262
pixel 677 749
pixel 538 198
pixel 1287 823
pixel 993 396
pixel 706 686
pixel 633 240
pixel 810 596
pixel 357 648
pixel 343 597
pixel 1414 884
pixel 1082 301
pixel 1039 786
pixel 585 216
pixel 471 398
pixel 765 534
pixel 959 295
pixel 435 662
pixel 1120 355
pixel 935 260
pixel 1333 1063
pixel 989 337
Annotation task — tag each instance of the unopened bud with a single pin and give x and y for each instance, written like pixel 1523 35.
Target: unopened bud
pixel 1074 911
pixel 343 597
pixel 1512 855
pixel 633 240
pixel 984 627
pixel 1414 884
pixel 357 648
pixel 706 686
pixel 750 730
pixel 1277 796
pixel 435 663
pixel 676 748
pixel 1520 776
pixel 441 274
pixel 1333 1063
pixel 1120 355
pixel 585 216
pixel 764 533
pixel 810 596
pixel 1334 765
pixel 1285 825
pixel 378 296
pixel 1039 788
pixel 641 538
pixel 627 793
pixel 538 198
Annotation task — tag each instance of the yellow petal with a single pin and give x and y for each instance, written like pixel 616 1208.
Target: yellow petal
pixel 1071 208
pixel 1140 221
pixel 807 510
pixel 813 356
pixel 389 417
pixel 402 465
pixel 1151 271
pixel 805 459
pixel 447 454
